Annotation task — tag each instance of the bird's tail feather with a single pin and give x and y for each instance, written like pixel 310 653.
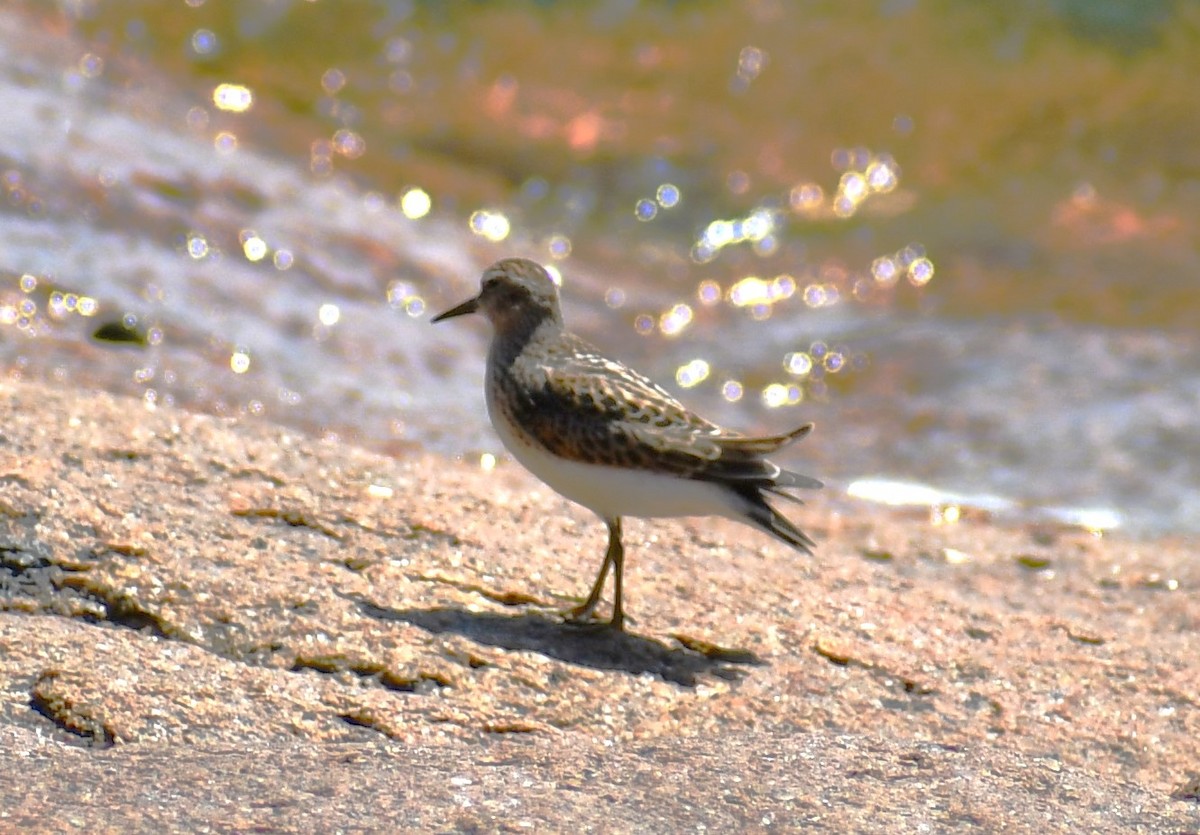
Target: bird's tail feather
pixel 787 478
pixel 769 520
pixel 779 494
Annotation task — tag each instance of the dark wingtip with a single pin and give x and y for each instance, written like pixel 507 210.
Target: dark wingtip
pixel 800 431
pixel 769 520
pixel 788 478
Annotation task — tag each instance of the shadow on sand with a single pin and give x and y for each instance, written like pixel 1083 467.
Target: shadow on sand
pixel 586 645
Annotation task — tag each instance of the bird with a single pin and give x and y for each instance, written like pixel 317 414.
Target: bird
pixel 607 437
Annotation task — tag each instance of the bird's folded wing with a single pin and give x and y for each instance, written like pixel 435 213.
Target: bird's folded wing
pixel 590 408
pixel 763 445
pixel 584 381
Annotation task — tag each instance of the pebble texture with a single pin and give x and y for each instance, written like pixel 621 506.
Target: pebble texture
pixel 222 625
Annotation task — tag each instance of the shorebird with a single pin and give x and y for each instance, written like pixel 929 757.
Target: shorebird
pixel 608 438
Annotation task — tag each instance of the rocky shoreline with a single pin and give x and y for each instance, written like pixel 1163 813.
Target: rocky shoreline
pixel 207 623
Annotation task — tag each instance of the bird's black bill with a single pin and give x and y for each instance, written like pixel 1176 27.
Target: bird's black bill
pixel 469 306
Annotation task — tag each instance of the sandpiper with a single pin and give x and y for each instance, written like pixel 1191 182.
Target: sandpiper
pixel 608 438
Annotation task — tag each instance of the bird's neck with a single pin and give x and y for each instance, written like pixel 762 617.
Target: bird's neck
pixel 515 335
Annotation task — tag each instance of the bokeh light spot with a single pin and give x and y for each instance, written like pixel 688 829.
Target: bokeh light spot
pixel 332 81
pixel 91 65
pixel 806 197
pixel 415 203
pixel 881 177
pixel 560 246
pixel 233 98
pixel 329 314
pixel 204 42
pixel 775 395
pixel 675 320
pixel 349 144
pixel 197 246
pixel 692 373
pixel 225 142
pixel 254 247
pixel 404 296
pixel 239 362
pixel 197 118
pixel 493 226
pixel 751 61
pixel 751 290
pixel 798 363
pixel 646 210
pixel 920 272
pixel 885 271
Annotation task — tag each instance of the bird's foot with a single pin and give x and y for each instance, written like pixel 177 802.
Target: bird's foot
pixel 585 617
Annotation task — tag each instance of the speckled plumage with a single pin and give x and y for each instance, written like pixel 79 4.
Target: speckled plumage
pixel 607 437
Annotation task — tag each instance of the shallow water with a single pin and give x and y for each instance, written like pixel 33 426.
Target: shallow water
pixel 962 239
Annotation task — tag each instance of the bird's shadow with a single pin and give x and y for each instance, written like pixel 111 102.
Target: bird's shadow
pixel 587 646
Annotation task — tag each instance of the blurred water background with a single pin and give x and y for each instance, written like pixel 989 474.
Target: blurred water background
pixel 961 237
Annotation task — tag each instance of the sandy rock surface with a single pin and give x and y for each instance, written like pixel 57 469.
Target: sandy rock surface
pixel 206 623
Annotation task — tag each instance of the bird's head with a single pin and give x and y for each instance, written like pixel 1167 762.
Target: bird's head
pixel 513 292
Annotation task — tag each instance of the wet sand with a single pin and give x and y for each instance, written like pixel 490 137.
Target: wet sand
pixel 207 623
